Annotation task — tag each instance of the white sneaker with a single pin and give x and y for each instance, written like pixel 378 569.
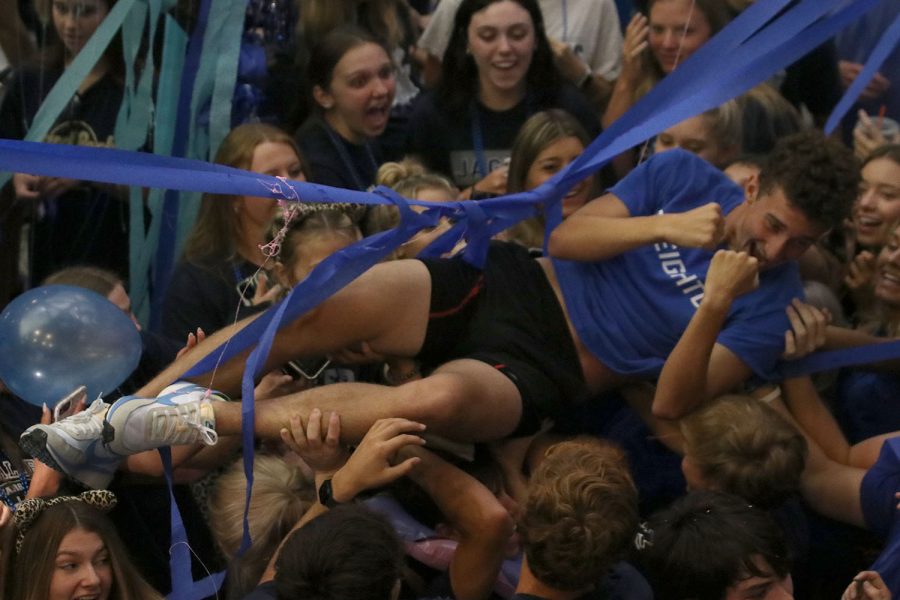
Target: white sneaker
pixel 181 414
pixel 74 446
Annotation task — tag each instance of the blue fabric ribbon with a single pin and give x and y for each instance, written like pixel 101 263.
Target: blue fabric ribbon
pixel 882 50
pixel 759 42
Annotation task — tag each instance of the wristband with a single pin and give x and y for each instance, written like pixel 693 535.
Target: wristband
pixel 326 495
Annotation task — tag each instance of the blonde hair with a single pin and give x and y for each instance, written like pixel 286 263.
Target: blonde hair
pixel 281 494
pixel 743 447
pixel 408 178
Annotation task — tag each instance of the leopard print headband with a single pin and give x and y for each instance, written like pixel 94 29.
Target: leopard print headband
pixel 29 510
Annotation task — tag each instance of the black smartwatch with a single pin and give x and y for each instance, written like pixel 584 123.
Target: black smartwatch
pixel 326 495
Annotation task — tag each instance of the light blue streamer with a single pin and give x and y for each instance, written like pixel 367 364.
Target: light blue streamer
pixel 66 86
pixel 228 35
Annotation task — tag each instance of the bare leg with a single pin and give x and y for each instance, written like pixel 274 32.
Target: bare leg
pixel 387 307
pixel 465 400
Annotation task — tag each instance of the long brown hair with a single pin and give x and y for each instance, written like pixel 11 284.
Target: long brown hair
pixel 214 235
pixel 32 566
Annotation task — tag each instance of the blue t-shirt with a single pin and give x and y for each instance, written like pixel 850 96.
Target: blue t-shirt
pixel 630 310
pixel 879 507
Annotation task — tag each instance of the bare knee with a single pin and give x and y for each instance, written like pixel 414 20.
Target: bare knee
pixel 441 397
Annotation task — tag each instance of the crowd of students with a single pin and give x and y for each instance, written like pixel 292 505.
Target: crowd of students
pixel 601 411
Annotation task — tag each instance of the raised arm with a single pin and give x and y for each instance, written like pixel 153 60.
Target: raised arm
pixel 483 524
pixel 371 465
pixel 604 228
pixel 698 368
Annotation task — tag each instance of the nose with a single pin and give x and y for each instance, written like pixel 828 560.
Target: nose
pixel 382 85
pixel 670 39
pixel 70 21
pixel 90 579
pixel 776 248
pixel 867 199
pixel 504 45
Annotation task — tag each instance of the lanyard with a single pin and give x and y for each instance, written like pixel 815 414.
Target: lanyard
pixel 341 149
pixel 478 141
pixel 478 138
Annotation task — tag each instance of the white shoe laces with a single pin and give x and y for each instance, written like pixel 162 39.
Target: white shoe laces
pixel 182 424
pixel 87 423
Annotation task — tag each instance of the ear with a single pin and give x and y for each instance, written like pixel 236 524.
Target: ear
pixel 323 98
pixel 751 188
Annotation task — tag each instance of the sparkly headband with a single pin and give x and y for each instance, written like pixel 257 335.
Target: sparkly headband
pixel 29 510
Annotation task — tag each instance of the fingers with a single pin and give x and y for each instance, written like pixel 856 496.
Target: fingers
pixel 388 428
pixel 790 345
pixel 392 445
pixel 404 468
pixel 314 428
pixel 27 187
pixel 295 438
pixel 809 325
pixel 333 435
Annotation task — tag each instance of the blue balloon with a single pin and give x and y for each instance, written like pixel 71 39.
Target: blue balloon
pixel 57 337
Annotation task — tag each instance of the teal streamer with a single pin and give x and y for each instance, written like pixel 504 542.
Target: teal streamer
pixel 226 66
pixel 68 83
pixel 163 138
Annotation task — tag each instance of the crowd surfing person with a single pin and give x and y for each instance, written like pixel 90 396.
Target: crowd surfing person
pixel 488 378
pixel 498 71
pixel 353 83
pixel 219 273
pixel 72 221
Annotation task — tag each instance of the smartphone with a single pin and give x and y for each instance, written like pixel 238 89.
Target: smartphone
pixel 65 407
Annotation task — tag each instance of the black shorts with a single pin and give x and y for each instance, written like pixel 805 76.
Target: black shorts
pixel 507 316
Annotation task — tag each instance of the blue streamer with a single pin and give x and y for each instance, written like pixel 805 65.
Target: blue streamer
pixel 836 359
pixel 180 560
pixel 165 250
pixel 886 44
pixel 759 42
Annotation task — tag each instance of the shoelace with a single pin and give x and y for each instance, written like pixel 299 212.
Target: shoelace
pixel 167 423
pixel 84 424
